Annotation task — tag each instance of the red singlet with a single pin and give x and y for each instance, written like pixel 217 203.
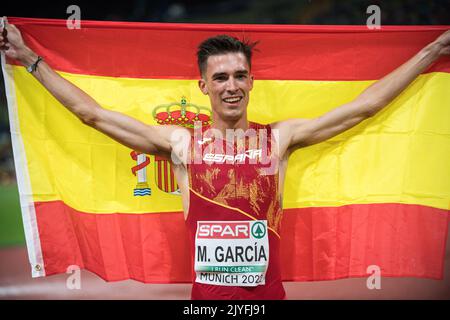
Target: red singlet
pixel 236 191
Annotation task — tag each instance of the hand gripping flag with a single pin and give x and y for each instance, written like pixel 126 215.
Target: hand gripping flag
pixel 377 194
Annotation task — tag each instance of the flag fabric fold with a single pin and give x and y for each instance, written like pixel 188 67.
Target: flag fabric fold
pixel 378 194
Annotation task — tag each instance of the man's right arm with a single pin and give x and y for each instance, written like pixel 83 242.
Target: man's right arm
pixel 122 128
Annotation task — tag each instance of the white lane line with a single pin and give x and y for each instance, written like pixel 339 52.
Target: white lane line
pixel 21 290
pixel 91 291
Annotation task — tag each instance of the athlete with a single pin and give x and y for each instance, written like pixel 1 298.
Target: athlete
pixel 232 204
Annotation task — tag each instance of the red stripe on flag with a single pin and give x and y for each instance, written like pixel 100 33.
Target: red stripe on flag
pixel 159 50
pixel 115 246
pixel 403 240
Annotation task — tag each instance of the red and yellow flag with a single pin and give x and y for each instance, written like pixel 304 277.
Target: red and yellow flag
pixel 377 194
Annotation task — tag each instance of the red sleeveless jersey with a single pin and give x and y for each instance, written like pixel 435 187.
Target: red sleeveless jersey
pixel 240 186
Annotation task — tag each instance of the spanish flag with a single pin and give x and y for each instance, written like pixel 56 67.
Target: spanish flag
pixel 377 194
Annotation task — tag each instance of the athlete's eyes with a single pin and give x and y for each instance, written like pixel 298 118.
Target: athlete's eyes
pixel 220 78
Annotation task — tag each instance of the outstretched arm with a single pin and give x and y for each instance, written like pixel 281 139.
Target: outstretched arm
pixel 303 132
pixel 122 128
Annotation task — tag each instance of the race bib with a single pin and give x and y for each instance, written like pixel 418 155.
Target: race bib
pixel 231 253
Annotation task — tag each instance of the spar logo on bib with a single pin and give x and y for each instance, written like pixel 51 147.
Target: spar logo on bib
pixel 224 230
pixel 258 230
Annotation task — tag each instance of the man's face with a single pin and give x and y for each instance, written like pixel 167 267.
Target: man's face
pixel 228 82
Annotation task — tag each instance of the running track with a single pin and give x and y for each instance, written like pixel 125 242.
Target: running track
pixel 16 283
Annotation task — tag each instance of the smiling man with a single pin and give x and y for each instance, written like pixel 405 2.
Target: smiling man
pixel 232 203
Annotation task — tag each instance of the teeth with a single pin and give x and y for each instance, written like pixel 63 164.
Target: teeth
pixel 232 100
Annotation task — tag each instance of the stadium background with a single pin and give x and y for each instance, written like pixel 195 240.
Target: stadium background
pixel 15 278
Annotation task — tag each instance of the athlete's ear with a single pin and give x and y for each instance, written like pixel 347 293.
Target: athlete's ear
pixel 202 86
pixel 251 81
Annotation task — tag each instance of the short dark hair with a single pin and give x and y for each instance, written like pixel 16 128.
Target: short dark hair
pixel 222 44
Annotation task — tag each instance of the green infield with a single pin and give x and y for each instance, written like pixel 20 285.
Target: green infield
pixel 11 227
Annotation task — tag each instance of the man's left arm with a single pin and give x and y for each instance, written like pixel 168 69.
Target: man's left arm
pixel 297 133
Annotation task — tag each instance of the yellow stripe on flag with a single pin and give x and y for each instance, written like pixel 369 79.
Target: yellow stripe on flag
pixel 399 156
